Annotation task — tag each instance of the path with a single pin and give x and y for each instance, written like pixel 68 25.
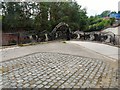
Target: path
pixel 59 47
pixel 56 65
pixel 103 49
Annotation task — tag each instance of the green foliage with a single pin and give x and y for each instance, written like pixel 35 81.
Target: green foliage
pixel 16 16
pixel 105 13
pixel 112 20
pixel 100 24
pixel 42 16
pixel 113 12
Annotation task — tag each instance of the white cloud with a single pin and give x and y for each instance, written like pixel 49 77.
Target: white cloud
pixel 98 6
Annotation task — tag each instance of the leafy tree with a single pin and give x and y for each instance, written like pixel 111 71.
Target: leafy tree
pixel 119 12
pixel 16 16
pixel 105 13
pixel 99 24
pixel 113 12
pixel 42 16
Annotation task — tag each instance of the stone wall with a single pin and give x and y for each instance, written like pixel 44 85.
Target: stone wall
pixel 9 38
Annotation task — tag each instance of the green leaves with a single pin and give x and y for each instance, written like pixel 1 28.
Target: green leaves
pixel 99 24
pixel 101 21
pixel 43 15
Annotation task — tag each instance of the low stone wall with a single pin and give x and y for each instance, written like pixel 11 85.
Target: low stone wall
pixel 9 38
pixel 106 37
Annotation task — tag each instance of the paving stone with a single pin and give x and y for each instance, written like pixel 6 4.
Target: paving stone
pixel 43 79
pixel 40 86
pixel 33 85
pixel 26 85
pixel 44 83
pixel 56 70
pixel 46 86
pixel 38 82
pixel 52 77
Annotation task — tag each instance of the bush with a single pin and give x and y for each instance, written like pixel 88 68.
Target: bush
pixel 101 24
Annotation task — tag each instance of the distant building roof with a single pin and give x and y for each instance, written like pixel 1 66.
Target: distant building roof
pixel 115 15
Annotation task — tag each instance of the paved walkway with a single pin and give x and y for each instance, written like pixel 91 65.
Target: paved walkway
pixel 56 65
pixel 66 48
pixel 55 70
pixel 102 49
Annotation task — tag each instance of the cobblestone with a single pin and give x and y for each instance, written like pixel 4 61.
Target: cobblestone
pixel 53 70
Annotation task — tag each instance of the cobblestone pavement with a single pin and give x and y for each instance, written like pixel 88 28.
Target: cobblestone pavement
pixel 55 70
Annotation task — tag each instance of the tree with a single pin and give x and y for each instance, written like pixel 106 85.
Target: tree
pixel 40 16
pixel 16 16
pixel 97 23
pixel 105 13
pixel 113 12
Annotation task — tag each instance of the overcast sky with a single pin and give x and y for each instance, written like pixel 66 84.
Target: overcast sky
pixel 98 6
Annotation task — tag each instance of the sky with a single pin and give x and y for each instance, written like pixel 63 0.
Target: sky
pixel 95 7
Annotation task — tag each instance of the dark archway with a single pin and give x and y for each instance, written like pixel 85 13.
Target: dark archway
pixel 62 31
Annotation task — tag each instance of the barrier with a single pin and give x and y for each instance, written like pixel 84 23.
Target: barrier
pixel 106 37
